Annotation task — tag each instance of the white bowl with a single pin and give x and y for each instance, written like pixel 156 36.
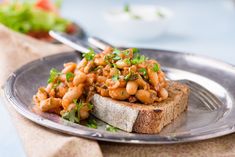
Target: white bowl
pixel 141 23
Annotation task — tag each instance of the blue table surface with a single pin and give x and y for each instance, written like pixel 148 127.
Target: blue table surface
pixel 205 27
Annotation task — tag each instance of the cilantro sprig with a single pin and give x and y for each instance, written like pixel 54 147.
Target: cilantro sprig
pixel 131 76
pixel 138 59
pixel 143 71
pixel 54 73
pixel 74 114
pixel 89 55
pixel 156 67
pixel 69 76
pixel 111 128
pixel 115 77
pixel 92 123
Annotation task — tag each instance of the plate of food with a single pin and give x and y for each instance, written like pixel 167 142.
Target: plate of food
pixel 36 18
pixel 127 95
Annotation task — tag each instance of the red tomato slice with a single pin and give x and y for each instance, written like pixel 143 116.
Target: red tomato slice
pixel 46 5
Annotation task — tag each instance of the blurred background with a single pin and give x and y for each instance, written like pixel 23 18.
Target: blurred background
pixel 205 27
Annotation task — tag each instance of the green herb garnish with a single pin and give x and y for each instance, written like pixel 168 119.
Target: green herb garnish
pixel 143 71
pixel 54 73
pixel 156 67
pixel 127 61
pixel 115 77
pixel 69 75
pixel 90 106
pixel 74 114
pixel 126 52
pixel 92 123
pixel 71 116
pixel 116 57
pixel 131 76
pixel 135 50
pixel 116 51
pixel 126 8
pixel 89 55
pixel 55 85
pixel 111 128
pixel 138 59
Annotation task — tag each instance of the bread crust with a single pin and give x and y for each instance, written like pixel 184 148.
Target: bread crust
pixel 149 119
pixel 152 121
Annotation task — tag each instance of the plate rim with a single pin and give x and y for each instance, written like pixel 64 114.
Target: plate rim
pixel 92 133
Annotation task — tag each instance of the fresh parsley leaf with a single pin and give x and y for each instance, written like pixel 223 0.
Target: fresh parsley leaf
pixel 90 106
pixel 111 128
pixel 69 75
pixel 126 52
pixel 116 51
pixel 89 55
pixel 156 67
pixel 126 8
pixel 54 73
pixel 131 77
pixel 138 59
pixel 114 65
pixel 143 71
pixel 71 116
pixel 127 60
pixel 116 57
pixel 92 123
pixel 74 114
pixel 135 50
pixel 55 85
pixel 115 77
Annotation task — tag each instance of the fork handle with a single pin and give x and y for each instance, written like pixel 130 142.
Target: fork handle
pixel 99 43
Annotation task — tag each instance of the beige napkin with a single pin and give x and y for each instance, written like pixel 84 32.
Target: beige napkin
pixel 16 50
pixel 38 141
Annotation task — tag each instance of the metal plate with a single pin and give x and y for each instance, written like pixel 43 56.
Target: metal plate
pixel 197 123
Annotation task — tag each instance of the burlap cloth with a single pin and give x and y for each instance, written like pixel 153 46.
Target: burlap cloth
pixel 16 50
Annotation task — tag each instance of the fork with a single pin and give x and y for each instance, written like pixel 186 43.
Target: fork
pixel 197 91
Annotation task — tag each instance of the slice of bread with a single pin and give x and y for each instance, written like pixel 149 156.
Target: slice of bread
pixel 140 118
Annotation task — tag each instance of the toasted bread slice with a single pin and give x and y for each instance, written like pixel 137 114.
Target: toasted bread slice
pixel 140 118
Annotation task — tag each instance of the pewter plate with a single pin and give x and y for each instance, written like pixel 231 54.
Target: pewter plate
pixel 197 123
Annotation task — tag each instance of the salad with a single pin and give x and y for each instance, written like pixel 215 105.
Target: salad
pixel 34 18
